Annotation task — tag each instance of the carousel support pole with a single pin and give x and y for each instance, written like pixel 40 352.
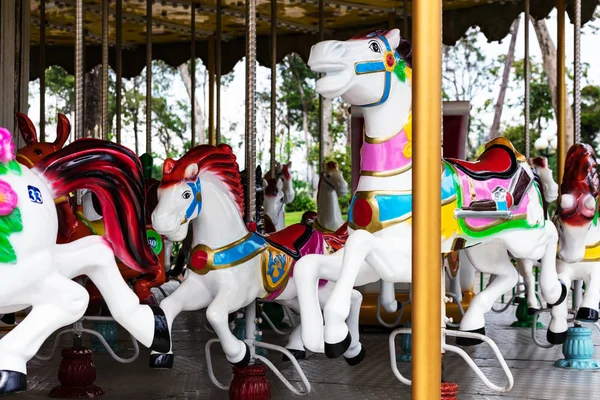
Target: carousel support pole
pixel 193 75
pixel 218 73
pixel 149 76
pixel 405 20
pixel 119 66
pixel 211 91
pixel 42 70
pixel 273 84
pixel 561 151
pixel 105 69
pixel 426 260
pixel 321 122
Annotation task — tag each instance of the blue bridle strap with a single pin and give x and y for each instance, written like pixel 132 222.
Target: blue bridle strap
pixel 370 67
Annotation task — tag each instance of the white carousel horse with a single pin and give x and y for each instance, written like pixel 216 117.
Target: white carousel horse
pixel 283 172
pixel 37 272
pixel 579 238
pixel 493 201
pixel 230 269
pixel 274 204
pixel 332 186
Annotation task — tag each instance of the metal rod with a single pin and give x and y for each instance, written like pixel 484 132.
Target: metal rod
pixel 405 20
pixel 149 76
pixel 426 260
pixel 211 91
pixel 43 70
pixel 527 87
pixel 218 73
pixel 561 89
pixel 79 69
pixel 193 76
pixel 273 85
pixel 321 122
pixel 250 112
pixel 577 62
pixel 119 66
pixel 105 69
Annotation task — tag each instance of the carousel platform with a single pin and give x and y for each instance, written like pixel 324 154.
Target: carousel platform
pixel 532 368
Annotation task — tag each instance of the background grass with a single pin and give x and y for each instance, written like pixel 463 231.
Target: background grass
pixel 295 217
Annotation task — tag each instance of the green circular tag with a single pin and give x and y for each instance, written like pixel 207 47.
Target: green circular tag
pixel 154 241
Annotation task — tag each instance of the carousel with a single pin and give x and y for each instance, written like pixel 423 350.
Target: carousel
pixel 199 267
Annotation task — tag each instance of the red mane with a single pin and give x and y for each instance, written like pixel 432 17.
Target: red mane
pixel 581 173
pixel 218 160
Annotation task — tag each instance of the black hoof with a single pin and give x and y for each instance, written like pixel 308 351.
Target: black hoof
pixel 161 361
pixel 12 382
pixel 556 338
pixel 9 319
pixel 587 314
pixel 336 350
pixel 356 359
pixel 532 311
pixel 463 341
pixel 298 355
pixel 245 361
pixel 162 338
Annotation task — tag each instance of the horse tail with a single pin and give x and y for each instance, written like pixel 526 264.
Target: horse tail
pixel 114 174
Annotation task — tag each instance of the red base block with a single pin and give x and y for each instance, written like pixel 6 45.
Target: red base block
pixel 250 383
pixel 449 391
pixel 77 373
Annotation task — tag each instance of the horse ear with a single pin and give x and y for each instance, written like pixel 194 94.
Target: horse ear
pixel 191 171
pixel 169 166
pixel 289 165
pixel 280 184
pixel 265 183
pixel 27 129
pixel 393 36
pixel 63 129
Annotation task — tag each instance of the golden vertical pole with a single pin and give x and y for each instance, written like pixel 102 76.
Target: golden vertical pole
pixel 212 139
pixel 561 151
pixel 427 153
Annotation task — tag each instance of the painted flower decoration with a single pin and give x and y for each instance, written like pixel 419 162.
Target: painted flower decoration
pixel 7 147
pixel 407 150
pixel 8 199
pixel 196 198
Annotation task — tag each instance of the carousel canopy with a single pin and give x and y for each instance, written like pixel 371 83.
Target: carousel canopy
pixel 297 27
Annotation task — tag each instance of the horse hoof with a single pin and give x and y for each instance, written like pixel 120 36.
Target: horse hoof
pixel 337 349
pixel 356 359
pixel 245 361
pixel 162 337
pixel 161 361
pixel 556 338
pixel 532 311
pixel 587 314
pixel 563 294
pixel 298 355
pixel 9 319
pixel 12 382
pixel 464 341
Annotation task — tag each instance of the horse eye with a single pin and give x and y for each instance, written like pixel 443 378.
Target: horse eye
pixel 37 152
pixel 281 200
pixel 186 195
pixel 327 175
pixel 374 46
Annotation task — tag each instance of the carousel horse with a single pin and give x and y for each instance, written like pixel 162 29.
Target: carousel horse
pixel 283 172
pixel 73 225
pixel 488 208
pixel 274 203
pixel 332 186
pixel 36 271
pixel 229 270
pixel 579 238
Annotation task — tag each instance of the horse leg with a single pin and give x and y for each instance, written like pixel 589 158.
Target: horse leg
pixel 92 256
pixel 526 270
pixel 493 259
pixel 557 328
pixel 191 295
pixel 168 251
pixel 553 290
pixel 294 344
pixel 588 311
pixel 226 301
pixel 388 297
pixel 356 352
pixel 57 302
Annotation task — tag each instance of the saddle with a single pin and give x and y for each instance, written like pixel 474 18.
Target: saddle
pixel 291 239
pixel 497 161
pixel 337 239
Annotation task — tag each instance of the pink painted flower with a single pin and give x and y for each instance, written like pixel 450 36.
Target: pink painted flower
pixel 7 147
pixel 8 199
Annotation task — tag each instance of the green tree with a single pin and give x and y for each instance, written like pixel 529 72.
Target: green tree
pixel 590 116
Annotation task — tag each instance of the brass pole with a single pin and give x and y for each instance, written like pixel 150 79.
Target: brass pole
pixel 79 83
pixel 218 74
pixel 119 66
pixel 211 91
pixel 104 130
pixel 43 71
pixel 250 111
pixel 426 260
pixel 577 69
pixel 273 84
pixel 561 151
pixel 193 76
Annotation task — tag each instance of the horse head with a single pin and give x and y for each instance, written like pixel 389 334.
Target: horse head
pixel 34 150
pixel 334 178
pixel 578 202
pixel 365 69
pixel 549 186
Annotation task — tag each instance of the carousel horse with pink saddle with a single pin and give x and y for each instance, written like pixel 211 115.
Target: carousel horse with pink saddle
pixel 228 271
pixel 489 207
pixel 36 271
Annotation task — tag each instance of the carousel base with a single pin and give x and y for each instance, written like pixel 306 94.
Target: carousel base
pixel 368 309
pixel 578 350
pixel 533 370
